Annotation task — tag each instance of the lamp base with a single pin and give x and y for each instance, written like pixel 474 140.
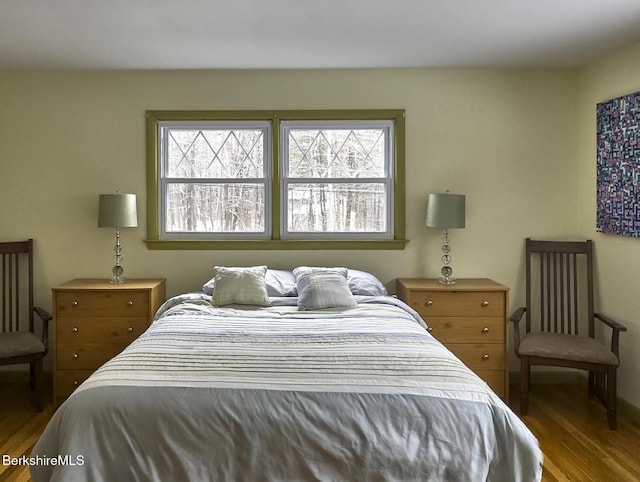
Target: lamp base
pixel 446 270
pixel 446 281
pixel 117 275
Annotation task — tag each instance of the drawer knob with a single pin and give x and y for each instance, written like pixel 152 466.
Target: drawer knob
pixel 485 303
pixel 485 356
pixel 75 383
pixel 428 303
pixel 74 329
pixel 130 303
pixel 75 303
pixel 129 330
pixel 485 329
pixel 429 329
pixel 75 355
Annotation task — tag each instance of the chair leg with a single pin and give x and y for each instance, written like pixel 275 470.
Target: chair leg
pixel 32 379
pixel 36 375
pixel 524 386
pixel 612 399
pixel 591 384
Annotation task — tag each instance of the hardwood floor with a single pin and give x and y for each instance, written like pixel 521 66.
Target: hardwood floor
pixel 572 431
pixel 573 434
pixel 20 426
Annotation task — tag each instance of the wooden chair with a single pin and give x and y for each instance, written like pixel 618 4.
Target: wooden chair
pixel 560 303
pixel 18 342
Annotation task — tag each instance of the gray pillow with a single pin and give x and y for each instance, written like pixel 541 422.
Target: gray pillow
pixel 365 284
pixel 280 283
pixel 323 288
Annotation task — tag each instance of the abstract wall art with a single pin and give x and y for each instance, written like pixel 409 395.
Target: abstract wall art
pixel 618 166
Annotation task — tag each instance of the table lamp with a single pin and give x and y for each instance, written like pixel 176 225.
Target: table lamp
pixel 446 211
pixel 117 211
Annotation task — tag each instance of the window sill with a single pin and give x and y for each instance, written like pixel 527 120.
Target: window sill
pixel 275 244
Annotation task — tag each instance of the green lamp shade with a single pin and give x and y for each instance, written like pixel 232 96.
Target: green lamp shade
pixel 446 211
pixel 117 211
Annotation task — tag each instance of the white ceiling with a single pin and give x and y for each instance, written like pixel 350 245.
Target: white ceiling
pixel 275 34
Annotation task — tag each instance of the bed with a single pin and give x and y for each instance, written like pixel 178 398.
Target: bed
pixel 321 376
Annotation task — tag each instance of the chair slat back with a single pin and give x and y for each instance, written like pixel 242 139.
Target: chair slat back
pixel 559 285
pixel 16 285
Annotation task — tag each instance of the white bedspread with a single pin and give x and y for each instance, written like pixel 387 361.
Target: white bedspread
pixel 274 393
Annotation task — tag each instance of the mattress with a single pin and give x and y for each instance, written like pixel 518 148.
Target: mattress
pixel 242 393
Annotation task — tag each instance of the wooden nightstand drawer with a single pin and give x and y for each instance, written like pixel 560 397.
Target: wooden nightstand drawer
pixel 467 329
pixel 86 356
pixel 102 303
pixel 480 356
pixel 90 329
pixel 457 303
pixel 67 381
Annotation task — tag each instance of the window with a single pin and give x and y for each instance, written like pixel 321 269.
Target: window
pixel 276 180
pixel 337 179
pixel 214 180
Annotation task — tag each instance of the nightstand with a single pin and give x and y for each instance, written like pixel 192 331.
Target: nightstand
pixel 468 317
pixel 94 321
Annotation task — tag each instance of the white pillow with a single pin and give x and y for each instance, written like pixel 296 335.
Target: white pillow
pixel 279 283
pixel 242 286
pixel 322 288
pixel 366 284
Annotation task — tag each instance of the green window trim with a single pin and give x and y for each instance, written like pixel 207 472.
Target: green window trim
pixel 154 242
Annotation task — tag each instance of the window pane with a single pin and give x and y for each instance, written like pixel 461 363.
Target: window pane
pixel 215 153
pixel 337 208
pixel 221 208
pixel 336 153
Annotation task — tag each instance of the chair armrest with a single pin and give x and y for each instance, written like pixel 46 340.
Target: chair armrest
pixel 46 318
pixel 515 318
pixel 43 314
pixel 608 321
pixel 615 335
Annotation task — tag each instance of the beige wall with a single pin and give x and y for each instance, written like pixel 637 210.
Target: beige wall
pixel 617 257
pixel 505 138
